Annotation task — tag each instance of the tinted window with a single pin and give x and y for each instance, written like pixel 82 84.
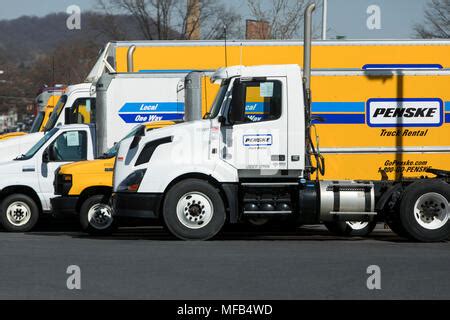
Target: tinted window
pixel 71 146
pixel 256 101
pixel 83 111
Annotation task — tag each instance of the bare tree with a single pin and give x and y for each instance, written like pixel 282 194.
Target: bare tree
pixel 174 19
pixel 107 23
pixel 284 16
pixel 437 20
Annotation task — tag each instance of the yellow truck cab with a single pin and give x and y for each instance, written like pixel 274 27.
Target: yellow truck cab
pixel 10 135
pixel 42 115
pixel 84 187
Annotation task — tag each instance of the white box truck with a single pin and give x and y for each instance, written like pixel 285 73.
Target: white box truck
pixel 27 181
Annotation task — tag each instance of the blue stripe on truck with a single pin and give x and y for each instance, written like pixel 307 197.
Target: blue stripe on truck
pixel 332 118
pixel 402 66
pixel 151 107
pixel 141 118
pixel 338 107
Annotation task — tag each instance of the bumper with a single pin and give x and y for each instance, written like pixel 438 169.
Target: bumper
pixel 64 205
pixel 137 205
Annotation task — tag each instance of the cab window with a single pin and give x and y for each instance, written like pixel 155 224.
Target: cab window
pixel 83 111
pixel 255 101
pixel 70 146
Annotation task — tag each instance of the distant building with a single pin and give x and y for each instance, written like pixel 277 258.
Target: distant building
pixel 257 30
pixel 193 20
pixel 8 120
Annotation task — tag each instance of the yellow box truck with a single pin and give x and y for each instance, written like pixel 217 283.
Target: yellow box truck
pixel 182 56
pixel 85 187
pixel 386 138
pixel 207 55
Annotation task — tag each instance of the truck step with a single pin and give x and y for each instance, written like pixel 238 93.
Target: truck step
pixel 340 213
pixel 267 212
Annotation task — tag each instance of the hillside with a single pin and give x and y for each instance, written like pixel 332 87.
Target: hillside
pixel 41 50
pixel 25 38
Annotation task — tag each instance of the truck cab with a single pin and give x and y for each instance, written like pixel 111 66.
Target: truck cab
pixel 250 136
pixel 27 181
pixel 76 105
pixel 84 188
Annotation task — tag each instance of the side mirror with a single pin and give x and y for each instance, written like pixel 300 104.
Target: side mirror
pixel 45 156
pixel 69 116
pixel 49 154
pixel 237 107
pixel 137 137
pixel 222 120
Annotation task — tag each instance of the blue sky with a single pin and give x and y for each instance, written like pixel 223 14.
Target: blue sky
pixel 346 17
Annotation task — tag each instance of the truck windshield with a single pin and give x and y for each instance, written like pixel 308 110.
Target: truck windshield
pixel 47 136
pixel 217 104
pixel 37 122
pixel 55 113
pixel 113 151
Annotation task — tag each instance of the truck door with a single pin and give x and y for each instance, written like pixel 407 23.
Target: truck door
pixel 255 130
pixel 69 146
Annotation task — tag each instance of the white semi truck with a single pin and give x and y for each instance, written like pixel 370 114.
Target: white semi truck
pixel 199 175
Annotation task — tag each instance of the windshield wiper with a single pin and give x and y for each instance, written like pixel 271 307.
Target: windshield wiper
pixel 21 157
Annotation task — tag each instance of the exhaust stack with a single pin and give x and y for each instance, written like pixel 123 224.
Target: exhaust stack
pixel 193 96
pixel 130 58
pixel 307 51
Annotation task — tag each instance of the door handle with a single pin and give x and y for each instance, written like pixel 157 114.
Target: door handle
pixel 278 157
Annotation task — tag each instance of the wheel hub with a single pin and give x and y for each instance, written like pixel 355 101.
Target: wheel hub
pixel 18 213
pixel 194 210
pixel 100 216
pixel 432 211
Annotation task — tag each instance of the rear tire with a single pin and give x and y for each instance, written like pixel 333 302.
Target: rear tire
pixel 96 216
pixel 424 211
pixel 351 229
pixel 19 213
pixel 194 210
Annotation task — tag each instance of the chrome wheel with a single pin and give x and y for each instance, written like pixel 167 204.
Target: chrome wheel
pixel 18 213
pixel 100 216
pixel 431 211
pixel 195 210
pixel 357 225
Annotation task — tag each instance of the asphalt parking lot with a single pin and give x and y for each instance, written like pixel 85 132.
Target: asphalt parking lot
pixel 147 263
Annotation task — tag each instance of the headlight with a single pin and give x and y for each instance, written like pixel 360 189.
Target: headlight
pixel 132 182
pixel 63 184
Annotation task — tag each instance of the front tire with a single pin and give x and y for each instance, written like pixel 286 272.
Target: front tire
pixel 96 216
pixel 425 210
pixel 194 210
pixel 351 229
pixel 19 213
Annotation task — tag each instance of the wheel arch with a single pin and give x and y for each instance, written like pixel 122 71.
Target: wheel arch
pixel 91 191
pixel 228 194
pixel 397 190
pixel 21 189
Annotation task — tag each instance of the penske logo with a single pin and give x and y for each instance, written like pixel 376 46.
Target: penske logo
pixel 257 140
pixel 405 112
